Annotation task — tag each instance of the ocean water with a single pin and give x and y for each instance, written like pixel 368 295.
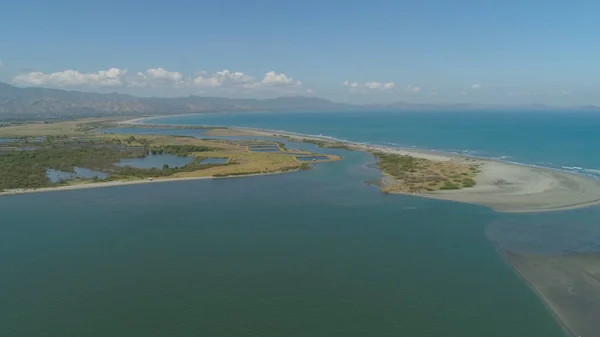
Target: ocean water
pixel 310 253
pixel 562 140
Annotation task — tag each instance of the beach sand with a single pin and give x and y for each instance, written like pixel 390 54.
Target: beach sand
pixel 505 187
pixel 514 188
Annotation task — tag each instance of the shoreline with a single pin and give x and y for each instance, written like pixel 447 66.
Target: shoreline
pixel 494 167
pixel 555 313
pixel 115 183
pixel 503 186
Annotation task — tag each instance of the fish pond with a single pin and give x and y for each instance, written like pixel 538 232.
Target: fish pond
pixel 56 176
pixel 156 161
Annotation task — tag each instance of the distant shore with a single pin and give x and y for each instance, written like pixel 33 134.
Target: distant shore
pixel 503 186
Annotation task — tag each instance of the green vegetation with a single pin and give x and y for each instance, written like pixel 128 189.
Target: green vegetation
pixel 27 169
pixel 397 165
pixel 448 185
pixel 243 173
pixel 326 144
pixel 128 172
pixel 413 175
pixel 64 145
pixel 182 150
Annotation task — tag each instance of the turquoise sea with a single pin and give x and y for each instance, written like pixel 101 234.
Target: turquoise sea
pixel 311 253
pixel 563 140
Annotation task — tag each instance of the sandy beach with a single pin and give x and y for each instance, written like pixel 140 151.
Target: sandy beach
pixel 505 187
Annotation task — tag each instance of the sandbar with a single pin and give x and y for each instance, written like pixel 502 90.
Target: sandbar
pixel 569 284
pixel 502 186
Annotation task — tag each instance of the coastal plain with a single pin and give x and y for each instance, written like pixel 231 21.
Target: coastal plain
pixel 29 150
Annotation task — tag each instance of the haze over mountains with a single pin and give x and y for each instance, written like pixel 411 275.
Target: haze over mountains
pixel 43 102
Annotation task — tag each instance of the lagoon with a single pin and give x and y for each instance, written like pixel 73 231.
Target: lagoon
pixel 56 176
pixel 156 161
pixel 214 161
pixel 334 258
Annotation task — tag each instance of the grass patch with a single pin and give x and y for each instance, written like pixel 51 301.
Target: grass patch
pixel 414 175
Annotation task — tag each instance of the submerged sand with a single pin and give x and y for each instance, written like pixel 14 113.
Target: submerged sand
pixel 569 284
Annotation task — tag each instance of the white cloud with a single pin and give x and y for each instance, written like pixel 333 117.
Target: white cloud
pixel 275 81
pixel 413 89
pixel 476 86
pixel 154 76
pixel 389 86
pixel 374 86
pixel 309 91
pixel 111 77
pixel 352 85
pixel 279 80
pixel 225 81
pixel 223 78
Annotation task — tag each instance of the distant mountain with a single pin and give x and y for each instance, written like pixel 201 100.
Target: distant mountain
pixel 33 102
pixel 16 101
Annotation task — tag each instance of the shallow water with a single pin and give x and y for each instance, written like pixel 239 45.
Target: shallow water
pixel 327 255
pixel 156 161
pixel 264 149
pixel 214 161
pixel 311 158
pixel 80 172
pixel 562 140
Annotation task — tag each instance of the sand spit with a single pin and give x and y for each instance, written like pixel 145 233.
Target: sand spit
pixel 505 187
pixel 569 284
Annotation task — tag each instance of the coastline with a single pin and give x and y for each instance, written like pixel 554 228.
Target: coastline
pixel 503 186
pixel 126 183
pixel 537 291
pixel 566 283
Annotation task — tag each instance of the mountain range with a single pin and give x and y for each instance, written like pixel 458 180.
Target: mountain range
pixel 16 102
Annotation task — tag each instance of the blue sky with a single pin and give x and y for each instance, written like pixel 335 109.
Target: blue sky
pixel 353 51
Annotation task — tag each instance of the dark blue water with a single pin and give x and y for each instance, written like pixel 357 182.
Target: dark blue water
pixel 566 140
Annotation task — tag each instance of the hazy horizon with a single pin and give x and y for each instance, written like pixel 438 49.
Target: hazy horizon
pixel 430 52
pixel 391 103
